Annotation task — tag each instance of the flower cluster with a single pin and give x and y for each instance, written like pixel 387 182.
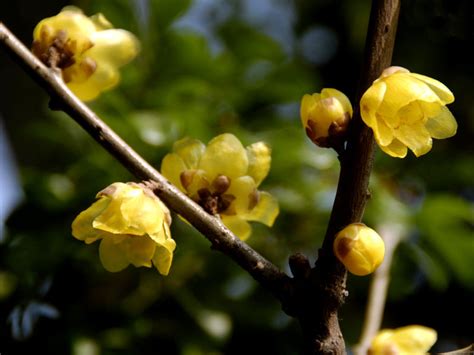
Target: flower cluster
pixel 223 178
pixel 86 49
pixel 132 225
pixel 409 340
pixel 359 248
pixel 405 111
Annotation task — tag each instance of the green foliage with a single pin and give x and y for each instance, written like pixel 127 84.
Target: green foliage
pixel 446 224
pixel 249 86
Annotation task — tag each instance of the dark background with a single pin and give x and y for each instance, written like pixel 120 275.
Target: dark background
pixel 208 67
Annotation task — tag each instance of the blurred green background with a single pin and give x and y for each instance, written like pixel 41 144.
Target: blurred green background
pixel 239 66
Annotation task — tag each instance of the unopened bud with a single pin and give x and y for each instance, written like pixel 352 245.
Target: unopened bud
pixel 326 117
pixel 359 248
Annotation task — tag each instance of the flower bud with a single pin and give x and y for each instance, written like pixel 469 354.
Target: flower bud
pixel 359 248
pixel 326 117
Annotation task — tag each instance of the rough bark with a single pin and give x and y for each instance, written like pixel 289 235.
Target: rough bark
pixel 314 295
pixel 324 290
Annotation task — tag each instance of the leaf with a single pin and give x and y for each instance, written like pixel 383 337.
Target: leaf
pixel 432 267
pixel 164 12
pixel 446 224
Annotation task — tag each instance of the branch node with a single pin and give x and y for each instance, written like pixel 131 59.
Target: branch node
pixel 299 266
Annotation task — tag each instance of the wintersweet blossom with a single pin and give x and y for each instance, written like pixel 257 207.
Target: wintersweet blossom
pixel 132 225
pixel 88 50
pixel 359 248
pixel 325 116
pixel 223 178
pixel 409 340
pixel 406 110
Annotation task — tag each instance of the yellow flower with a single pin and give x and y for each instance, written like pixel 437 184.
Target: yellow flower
pixel 406 110
pixel 223 178
pixel 133 226
pixel 326 116
pixel 409 340
pixel 87 50
pixel 359 248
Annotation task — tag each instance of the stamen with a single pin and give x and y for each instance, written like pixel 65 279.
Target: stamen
pixel 220 184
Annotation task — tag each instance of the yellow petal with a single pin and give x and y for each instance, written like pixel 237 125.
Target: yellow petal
pixel 341 97
pixel 105 77
pixel 243 189
pixel 402 89
pixel 370 102
pixel 162 235
pixel 238 226
pixel 416 137
pixel 100 22
pixel 444 94
pixel 82 225
pixel 381 342
pixel 430 109
pixel 112 255
pixel 190 150
pixel 392 70
pixel 307 104
pixel 224 155
pixel 323 114
pixel 163 256
pixel 139 250
pixel 443 125
pixel 114 47
pixel 410 114
pixel 131 211
pixel 143 213
pixel 265 211
pixel 414 339
pixel 172 166
pixel 111 219
pixel 70 19
pixel 395 149
pixel 383 133
pixel 259 157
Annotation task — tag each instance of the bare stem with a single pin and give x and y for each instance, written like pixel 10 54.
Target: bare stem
pixel 262 270
pixel 313 296
pixel 378 289
pixel 319 315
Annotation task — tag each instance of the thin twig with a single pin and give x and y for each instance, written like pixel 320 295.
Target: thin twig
pixel 392 235
pixel 211 227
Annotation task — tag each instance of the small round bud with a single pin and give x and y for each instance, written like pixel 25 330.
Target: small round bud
pixel 359 248
pixel 326 117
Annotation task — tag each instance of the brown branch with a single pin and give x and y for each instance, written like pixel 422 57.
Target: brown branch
pixel 317 302
pixel 314 295
pixel 262 270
